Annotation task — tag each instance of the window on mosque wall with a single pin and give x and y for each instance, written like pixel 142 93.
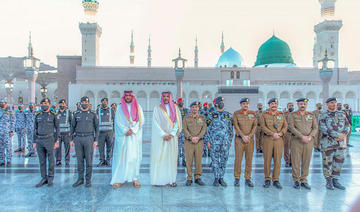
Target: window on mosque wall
pixel 238 75
pixel 232 75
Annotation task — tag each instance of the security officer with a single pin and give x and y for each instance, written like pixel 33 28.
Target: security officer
pixel 106 133
pixel 333 127
pixel 85 133
pixel 219 136
pixel 287 136
pixel 245 124
pixel 194 128
pixel 304 127
pixel 317 112
pixel 348 113
pixel 30 118
pixel 259 134
pixel 181 138
pixel 64 114
pixel 20 128
pixel 274 126
pixel 46 134
pixel 7 123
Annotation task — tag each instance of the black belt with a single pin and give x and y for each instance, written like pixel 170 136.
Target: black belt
pixel 84 134
pixel 45 135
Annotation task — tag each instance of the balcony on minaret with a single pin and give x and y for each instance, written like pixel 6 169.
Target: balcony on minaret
pixel 327 8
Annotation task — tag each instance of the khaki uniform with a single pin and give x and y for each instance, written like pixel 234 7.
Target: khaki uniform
pixel 273 148
pixel 302 125
pixel 259 133
pixel 287 143
pixel 318 135
pixel 245 124
pixel 194 126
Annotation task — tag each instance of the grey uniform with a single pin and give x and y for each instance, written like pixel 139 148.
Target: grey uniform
pixel 105 134
pixel 84 131
pixel 65 129
pixel 181 138
pixel 20 127
pixel 30 117
pixel 46 132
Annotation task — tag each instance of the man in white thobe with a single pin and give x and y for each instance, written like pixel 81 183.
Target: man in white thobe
pixel 166 125
pixel 127 154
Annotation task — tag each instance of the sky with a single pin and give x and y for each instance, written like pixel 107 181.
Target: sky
pixel 174 24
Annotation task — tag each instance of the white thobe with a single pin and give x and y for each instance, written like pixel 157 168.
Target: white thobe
pixel 163 162
pixel 127 153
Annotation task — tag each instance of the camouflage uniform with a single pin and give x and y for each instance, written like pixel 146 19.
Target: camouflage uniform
pixel 332 124
pixel 219 134
pixel 7 121
pixel 318 134
pixel 259 133
pixel 29 122
pixel 181 138
pixel 20 121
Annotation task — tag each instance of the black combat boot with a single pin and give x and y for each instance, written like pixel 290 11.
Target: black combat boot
pixel 277 184
pixel 78 183
pixel 199 182
pixel 222 182
pixel 329 183
pixel 266 184
pixel 249 183
pixel 41 183
pixel 237 182
pixel 216 182
pixel 337 184
pixel 296 185
pixel 188 183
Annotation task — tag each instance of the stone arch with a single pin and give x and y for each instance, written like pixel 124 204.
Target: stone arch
pixel 101 94
pixel 206 97
pixel 284 99
pixel 350 98
pixel 115 97
pixel 154 99
pixel 261 98
pixel 193 96
pixel 311 95
pixel 91 96
pixel 297 95
pixel 338 96
pixel 142 99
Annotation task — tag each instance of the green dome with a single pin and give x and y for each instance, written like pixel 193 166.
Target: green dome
pixel 274 51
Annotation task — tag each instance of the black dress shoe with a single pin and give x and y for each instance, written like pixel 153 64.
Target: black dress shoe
pixel 249 183
pixel 78 183
pixel 306 186
pixel 50 183
pixel 216 182
pixel 261 151
pixel 266 184
pixel 237 182
pixel 88 184
pixel 337 184
pixel 277 184
pixel 222 182
pixel 349 145
pixel 58 163
pixel 296 185
pixel 199 182
pixel 188 183
pixel 67 164
pixel 41 183
pixel 329 184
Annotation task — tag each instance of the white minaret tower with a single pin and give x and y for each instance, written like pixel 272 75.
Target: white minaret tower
pixel 222 45
pixel 91 33
pixel 132 49
pixel 149 55
pixel 196 51
pixel 327 34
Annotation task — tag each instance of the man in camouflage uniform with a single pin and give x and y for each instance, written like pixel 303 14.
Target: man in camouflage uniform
pixel 274 126
pixel 334 127
pixel 245 124
pixel 20 128
pixel 259 134
pixel 348 113
pixel 219 136
pixel 64 115
pixel 317 113
pixel 181 138
pixel 30 118
pixel 194 128
pixel 304 128
pixel 7 123
pixel 287 136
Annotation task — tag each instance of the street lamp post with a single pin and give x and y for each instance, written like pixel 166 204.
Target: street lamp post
pixel 31 65
pixel 326 74
pixel 43 91
pixel 179 74
pixel 9 87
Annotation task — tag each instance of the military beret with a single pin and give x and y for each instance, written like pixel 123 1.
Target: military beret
pixel 62 101
pixel 331 99
pixel 245 99
pixel 218 100
pixel 45 100
pixel 196 103
pixel 3 100
pixel 205 104
pixel 179 100
pixel 272 100
pixel 214 100
pixel 103 99
pixel 302 100
pixel 84 99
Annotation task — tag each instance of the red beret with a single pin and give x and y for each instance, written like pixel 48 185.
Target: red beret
pixel 179 100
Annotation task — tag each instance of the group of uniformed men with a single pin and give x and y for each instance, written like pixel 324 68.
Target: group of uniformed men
pixel 206 132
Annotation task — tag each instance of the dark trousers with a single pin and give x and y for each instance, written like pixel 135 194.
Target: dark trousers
pixel 84 152
pixel 64 138
pixel 45 150
pixel 105 138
